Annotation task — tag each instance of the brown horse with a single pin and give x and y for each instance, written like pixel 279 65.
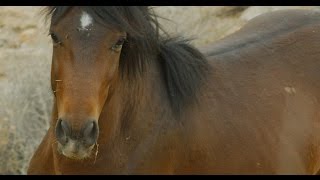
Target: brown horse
pixel 131 100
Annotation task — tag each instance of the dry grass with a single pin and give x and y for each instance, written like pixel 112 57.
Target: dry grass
pixel 25 96
pixel 26 114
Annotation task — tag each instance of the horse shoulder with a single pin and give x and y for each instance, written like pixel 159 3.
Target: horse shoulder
pixel 42 160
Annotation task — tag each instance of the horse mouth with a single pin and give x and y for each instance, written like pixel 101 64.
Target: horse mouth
pixel 75 156
pixel 75 151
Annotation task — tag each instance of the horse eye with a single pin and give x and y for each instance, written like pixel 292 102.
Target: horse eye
pixel 117 47
pixel 55 38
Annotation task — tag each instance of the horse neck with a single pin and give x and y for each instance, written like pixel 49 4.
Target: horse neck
pixel 136 107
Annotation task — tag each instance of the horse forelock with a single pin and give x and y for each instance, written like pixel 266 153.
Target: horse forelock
pixel 145 45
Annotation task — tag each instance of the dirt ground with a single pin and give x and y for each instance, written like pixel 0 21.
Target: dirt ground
pixel 25 57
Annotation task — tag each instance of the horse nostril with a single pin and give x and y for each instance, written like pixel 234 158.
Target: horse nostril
pixel 62 131
pixel 90 133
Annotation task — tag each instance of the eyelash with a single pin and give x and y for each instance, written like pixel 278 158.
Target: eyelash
pixel 54 38
pixel 118 45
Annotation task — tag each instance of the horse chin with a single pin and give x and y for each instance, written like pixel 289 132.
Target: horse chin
pixel 80 153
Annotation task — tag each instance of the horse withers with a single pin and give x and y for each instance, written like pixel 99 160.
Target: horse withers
pixel 131 100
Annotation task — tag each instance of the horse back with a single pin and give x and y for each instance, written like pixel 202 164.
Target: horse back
pixel 262 97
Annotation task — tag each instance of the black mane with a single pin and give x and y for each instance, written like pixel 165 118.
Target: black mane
pixel 184 68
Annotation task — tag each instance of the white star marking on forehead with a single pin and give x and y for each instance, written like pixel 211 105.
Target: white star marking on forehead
pixel 85 20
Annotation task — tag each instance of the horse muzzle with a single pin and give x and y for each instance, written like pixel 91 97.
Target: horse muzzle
pixel 76 144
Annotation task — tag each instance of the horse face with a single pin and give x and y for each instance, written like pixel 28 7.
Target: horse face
pixel 84 65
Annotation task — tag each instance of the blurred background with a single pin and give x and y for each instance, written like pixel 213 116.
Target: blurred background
pixel 25 57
